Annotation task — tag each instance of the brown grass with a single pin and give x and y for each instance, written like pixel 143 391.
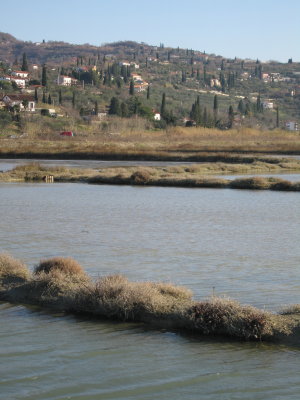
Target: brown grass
pixel 62 285
pixel 66 266
pixel 132 141
pixel 12 271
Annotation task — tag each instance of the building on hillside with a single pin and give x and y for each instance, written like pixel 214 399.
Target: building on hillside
pixel 268 105
pixel 157 116
pixel 215 82
pixel 20 74
pixel 20 82
pixel 64 80
pixel 292 126
pixel 35 67
pixel 5 78
pixel 11 100
pixel 137 78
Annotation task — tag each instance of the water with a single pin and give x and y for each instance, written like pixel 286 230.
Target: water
pixel 242 243
pixel 8 164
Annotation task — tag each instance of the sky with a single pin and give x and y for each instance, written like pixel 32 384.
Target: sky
pixel 266 29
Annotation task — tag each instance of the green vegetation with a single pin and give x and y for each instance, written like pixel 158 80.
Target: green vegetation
pixel 62 285
pixel 189 88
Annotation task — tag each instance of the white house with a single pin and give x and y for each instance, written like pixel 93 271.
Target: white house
pixel 292 126
pixel 268 105
pixel 20 82
pixel 65 80
pixel 12 100
pixel 157 116
pixel 20 74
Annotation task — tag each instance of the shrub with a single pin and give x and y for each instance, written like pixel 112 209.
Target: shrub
pixel 227 317
pixel 140 177
pixel 257 183
pixel 114 296
pixel 65 265
pixel 12 270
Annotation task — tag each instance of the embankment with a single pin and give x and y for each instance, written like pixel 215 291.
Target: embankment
pixel 192 176
pixel 61 284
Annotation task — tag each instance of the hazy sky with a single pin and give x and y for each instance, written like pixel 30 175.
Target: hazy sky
pixel 266 29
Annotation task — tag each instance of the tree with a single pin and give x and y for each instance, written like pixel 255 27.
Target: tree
pixel 163 105
pixel 49 99
pixel 60 97
pixel 73 99
pixel 24 66
pixel 44 76
pixel 96 108
pixel 230 116
pixel 259 107
pixel 216 108
pixel 131 87
pixel 148 92
pixel 124 110
pixel 36 97
pixel 277 117
pixel 44 97
pixel 241 107
pixel 114 107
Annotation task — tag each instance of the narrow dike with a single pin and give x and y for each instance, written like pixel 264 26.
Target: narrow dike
pixel 61 284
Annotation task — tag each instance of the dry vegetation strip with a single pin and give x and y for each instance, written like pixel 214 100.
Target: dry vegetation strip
pixel 62 284
pixel 175 143
pixel 196 176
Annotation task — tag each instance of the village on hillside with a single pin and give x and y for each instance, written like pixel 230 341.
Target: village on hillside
pixel 163 86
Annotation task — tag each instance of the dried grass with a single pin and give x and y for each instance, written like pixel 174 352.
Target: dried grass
pixel 12 271
pixel 66 266
pixel 227 317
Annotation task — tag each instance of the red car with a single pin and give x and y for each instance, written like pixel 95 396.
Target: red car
pixel 67 133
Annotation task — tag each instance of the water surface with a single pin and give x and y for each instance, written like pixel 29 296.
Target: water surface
pixel 244 244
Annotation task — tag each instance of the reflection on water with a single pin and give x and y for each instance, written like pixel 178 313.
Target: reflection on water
pixel 243 243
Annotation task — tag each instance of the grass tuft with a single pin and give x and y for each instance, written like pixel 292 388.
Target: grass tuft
pixel 12 271
pixel 66 266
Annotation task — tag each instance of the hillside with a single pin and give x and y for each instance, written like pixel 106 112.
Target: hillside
pixel 126 79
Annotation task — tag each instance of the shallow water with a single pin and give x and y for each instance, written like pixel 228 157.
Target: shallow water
pixel 242 244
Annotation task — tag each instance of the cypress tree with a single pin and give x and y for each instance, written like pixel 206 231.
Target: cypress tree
pixel 96 110
pixel 124 110
pixel 163 105
pixel 36 97
pixel 216 104
pixel 24 63
pixel 241 107
pixel 114 107
pixel 277 117
pixel 60 97
pixel 44 76
pixel 44 97
pixel 230 116
pixel 73 99
pixel 131 87
pixel 148 92
pixel 49 99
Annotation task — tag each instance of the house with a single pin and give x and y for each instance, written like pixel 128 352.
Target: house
pixel 20 82
pixel 292 126
pixel 137 77
pixel 20 74
pixel 65 80
pixel 215 82
pixel 268 105
pixel 157 116
pixel 35 67
pixel 11 100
